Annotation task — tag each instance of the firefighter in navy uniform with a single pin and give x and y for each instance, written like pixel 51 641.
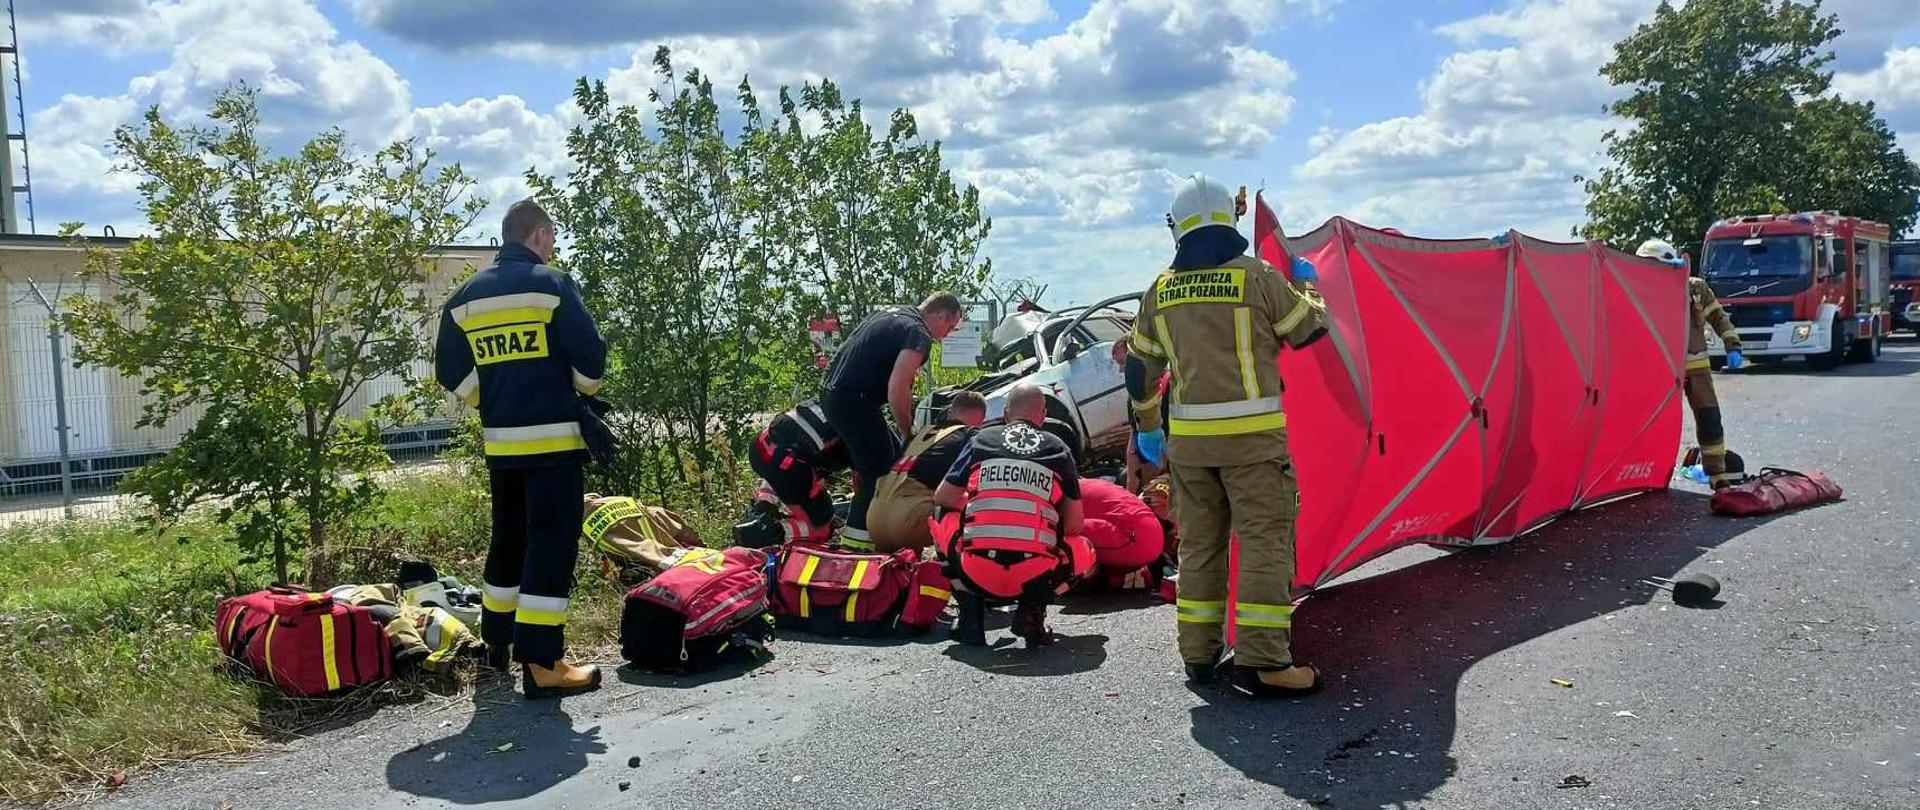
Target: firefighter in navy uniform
pixel 1217 318
pixel 1704 311
pixel 1014 518
pixel 794 455
pixel 516 342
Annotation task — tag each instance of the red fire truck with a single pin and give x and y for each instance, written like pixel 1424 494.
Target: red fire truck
pixel 1813 285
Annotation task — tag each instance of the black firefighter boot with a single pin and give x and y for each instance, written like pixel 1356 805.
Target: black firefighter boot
pixel 970 627
pixel 1030 622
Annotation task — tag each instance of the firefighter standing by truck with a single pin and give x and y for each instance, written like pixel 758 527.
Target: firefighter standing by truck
pixel 1704 311
pixel 516 342
pixel 1217 318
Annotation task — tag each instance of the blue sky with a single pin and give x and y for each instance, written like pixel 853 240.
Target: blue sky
pixel 1439 117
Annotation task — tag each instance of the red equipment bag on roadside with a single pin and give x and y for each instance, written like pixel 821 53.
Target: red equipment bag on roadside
pixel 1775 490
pixel 927 595
pixel 836 593
pixel 690 616
pixel 304 643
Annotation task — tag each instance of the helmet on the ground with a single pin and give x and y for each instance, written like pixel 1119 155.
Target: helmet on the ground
pixel 1200 203
pixel 1661 250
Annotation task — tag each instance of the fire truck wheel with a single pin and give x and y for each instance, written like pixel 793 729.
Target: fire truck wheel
pixel 1866 351
pixel 1831 359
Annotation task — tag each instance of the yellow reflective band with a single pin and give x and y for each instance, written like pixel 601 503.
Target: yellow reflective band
pixel 1730 334
pixel 534 447
pixel 931 592
pixel 490 602
pixel 1716 448
pixel 272 625
pixel 327 652
pixel 1217 217
pixel 543 618
pixel 1243 343
pixel 853 597
pixel 506 344
pixel 1197 611
pixel 1179 386
pixel 806 577
pixel 855 543
pixel 1147 405
pixel 1294 316
pixel 1711 308
pixel 1226 427
pixel 1248 614
pixel 1696 365
pixel 502 317
pixel 1144 345
pixel 1225 285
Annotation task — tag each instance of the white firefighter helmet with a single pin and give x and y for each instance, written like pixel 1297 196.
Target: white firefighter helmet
pixel 1661 250
pixel 1199 203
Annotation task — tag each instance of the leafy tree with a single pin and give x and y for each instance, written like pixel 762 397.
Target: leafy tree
pixel 705 240
pixel 1730 113
pixel 272 288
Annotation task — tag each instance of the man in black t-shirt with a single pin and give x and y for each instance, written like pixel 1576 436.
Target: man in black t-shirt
pixel 903 500
pixel 873 372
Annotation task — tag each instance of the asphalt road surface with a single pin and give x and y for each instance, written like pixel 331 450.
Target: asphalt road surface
pixel 1801 691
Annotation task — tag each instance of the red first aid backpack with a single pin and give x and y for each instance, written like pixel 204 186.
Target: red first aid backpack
pixel 841 593
pixel 692 615
pixel 302 642
pixel 1774 490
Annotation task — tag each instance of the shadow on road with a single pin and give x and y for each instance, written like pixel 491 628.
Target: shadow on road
pixel 1395 646
pixel 470 767
pixel 636 676
pixel 1067 655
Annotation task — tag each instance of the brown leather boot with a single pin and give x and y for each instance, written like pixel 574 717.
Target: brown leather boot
pixel 561 680
pixel 1294 681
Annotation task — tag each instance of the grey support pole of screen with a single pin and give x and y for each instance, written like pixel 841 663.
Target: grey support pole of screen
pixel 59 398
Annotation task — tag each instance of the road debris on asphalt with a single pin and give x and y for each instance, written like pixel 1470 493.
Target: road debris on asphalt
pixel 1574 781
pixel 1562 683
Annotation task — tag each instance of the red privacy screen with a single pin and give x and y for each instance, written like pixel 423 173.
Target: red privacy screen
pixel 1471 391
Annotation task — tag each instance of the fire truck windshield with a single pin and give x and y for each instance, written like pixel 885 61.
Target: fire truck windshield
pixel 1768 265
pixel 1906 262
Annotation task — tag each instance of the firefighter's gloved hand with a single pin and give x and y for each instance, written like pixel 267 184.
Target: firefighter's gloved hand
pixel 1152 445
pixel 1303 270
pixel 1735 360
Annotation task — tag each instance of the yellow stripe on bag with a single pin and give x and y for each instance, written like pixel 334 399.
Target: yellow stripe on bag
pixel 267 648
pixel 853 596
pixel 806 577
pixel 941 594
pixel 327 652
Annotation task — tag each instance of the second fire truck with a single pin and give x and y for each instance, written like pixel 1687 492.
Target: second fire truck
pixel 1812 285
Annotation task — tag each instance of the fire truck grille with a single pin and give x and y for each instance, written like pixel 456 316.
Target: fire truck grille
pixel 1754 316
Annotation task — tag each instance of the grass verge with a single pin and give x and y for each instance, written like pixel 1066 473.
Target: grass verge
pixel 104 623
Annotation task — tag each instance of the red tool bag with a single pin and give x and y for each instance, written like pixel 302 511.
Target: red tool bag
pixel 304 643
pixel 927 595
pixel 841 593
pixel 1775 490
pixel 693 615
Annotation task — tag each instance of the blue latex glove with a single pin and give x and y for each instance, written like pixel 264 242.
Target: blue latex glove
pixel 1303 270
pixel 1735 360
pixel 1152 445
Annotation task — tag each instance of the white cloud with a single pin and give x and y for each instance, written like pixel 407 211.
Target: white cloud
pixel 1894 86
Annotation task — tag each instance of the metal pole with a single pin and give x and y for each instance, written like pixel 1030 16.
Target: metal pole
pixel 59 399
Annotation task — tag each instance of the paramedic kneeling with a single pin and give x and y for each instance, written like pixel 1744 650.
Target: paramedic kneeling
pixel 1017 495
pixel 903 500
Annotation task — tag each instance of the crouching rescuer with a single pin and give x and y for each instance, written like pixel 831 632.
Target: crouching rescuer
pixel 903 500
pixel 516 342
pixel 794 455
pixel 1218 318
pixel 1704 311
pixel 1013 520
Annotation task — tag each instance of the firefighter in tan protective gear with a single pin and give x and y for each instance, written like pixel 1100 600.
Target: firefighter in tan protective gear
pixel 1218 317
pixel 1704 311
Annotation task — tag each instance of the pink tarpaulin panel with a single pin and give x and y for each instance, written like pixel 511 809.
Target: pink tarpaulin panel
pixel 1470 391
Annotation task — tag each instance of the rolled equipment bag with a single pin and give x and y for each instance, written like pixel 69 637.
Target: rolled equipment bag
pixel 692 616
pixel 304 643
pixel 841 593
pixel 1775 490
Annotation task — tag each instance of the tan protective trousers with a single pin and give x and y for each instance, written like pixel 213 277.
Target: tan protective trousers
pixel 1708 431
pixel 1258 502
